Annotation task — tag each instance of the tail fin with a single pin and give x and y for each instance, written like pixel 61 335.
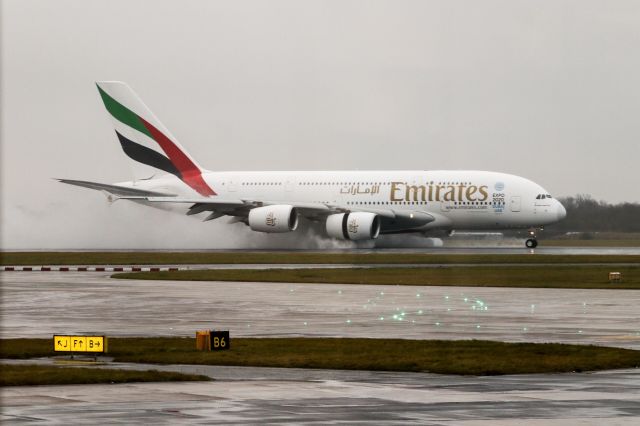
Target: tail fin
pixel 145 140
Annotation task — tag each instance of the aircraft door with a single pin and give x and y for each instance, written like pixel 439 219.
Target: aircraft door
pixel 231 185
pixel 515 203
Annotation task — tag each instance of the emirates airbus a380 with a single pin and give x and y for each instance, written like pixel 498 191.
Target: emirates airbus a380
pixel 351 205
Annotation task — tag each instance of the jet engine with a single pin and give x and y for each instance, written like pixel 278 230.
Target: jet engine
pixel 278 218
pixel 353 226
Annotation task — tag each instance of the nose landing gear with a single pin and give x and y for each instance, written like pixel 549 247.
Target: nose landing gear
pixel 531 242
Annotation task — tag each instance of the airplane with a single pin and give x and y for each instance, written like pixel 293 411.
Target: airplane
pixel 350 205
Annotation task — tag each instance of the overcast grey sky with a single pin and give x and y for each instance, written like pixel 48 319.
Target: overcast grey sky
pixel 549 90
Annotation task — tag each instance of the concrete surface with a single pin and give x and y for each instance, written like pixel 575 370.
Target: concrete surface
pixel 242 395
pixel 41 304
pixel 509 247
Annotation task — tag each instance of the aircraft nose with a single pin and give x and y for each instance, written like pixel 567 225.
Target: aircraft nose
pixel 560 211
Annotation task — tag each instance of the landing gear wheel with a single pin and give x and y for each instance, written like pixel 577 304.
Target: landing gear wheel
pixel 531 243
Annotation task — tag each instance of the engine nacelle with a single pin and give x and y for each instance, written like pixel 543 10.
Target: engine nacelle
pixel 354 226
pixel 278 218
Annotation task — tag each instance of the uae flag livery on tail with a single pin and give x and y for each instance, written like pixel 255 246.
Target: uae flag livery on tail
pixel 141 134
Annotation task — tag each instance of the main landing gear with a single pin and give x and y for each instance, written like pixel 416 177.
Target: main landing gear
pixel 531 242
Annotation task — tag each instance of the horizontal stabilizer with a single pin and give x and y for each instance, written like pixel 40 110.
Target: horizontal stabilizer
pixel 120 191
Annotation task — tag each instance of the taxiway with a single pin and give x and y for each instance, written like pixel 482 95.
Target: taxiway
pixel 39 304
pixel 242 395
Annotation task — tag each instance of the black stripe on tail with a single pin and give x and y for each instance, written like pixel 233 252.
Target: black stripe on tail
pixel 147 156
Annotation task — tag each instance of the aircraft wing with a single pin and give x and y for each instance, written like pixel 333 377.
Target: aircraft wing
pixel 118 191
pixel 312 211
pixel 240 207
pixel 237 207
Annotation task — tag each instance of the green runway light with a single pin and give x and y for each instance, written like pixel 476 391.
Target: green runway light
pixel 438 324
pixel 305 323
pixel 381 318
pixel 420 312
pixel 477 325
pixel 348 321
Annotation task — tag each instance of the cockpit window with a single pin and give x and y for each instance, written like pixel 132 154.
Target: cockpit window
pixel 548 196
pixel 538 197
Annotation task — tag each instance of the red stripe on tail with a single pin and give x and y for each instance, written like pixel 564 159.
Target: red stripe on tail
pixel 190 173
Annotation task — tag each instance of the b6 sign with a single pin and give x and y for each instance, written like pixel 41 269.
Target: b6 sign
pixel 220 340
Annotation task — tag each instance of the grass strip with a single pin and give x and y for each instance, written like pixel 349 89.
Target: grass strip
pixel 548 276
pixel 184 258
pixel 29 375
pixel 465 357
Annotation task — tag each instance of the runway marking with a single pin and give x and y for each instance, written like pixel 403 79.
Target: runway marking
pixel 88 269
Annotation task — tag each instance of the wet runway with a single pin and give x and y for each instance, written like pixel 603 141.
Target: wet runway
pixel 242 395
pixel 507 249
pixel 39 304
pixel 487 248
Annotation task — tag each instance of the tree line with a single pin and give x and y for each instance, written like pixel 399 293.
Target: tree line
pixel 584 214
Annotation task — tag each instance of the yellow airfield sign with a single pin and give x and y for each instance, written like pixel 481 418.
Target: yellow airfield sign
pixel 96 344
pixel 61 344
pixel 65 343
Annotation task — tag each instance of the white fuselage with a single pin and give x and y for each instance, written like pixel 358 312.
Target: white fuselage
pixel 456 199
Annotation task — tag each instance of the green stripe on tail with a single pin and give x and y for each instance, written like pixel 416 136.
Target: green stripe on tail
pixel 122 113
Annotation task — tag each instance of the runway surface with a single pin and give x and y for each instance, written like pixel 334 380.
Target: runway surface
pixel 38 304
pixel 265 266
pixel 509 249
pixel 41 304
pixel 477 249
pixel 242 395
